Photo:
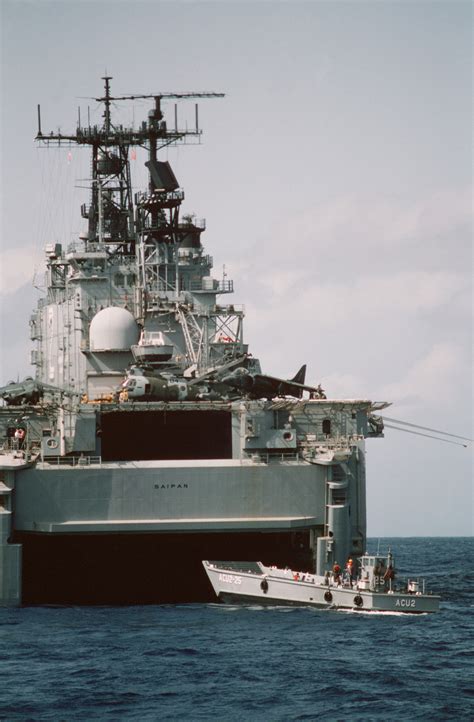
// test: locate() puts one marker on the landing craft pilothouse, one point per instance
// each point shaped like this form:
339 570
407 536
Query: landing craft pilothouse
151 437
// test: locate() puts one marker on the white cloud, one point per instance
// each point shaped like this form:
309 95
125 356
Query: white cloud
393 325
356 234
345 386
402 339
17 267
432 379
402 296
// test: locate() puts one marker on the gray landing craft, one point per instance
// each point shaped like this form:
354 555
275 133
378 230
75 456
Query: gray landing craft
150 439
373 589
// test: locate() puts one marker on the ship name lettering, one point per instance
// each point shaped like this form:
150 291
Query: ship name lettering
171 486
405 603
231 578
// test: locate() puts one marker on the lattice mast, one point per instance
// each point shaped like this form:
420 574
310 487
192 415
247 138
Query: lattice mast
110 213
168 252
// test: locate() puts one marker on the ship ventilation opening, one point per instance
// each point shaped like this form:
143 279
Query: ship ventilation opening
166 435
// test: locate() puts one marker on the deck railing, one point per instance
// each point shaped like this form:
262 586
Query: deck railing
76 461
267 457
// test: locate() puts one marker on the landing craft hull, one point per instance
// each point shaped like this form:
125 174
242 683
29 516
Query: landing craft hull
233 585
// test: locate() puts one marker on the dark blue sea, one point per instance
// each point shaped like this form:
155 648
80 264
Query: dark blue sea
212 662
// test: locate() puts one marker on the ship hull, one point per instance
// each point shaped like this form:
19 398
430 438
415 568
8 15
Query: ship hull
121 533
103 531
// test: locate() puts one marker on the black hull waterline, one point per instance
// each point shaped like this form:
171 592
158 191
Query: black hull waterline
121 569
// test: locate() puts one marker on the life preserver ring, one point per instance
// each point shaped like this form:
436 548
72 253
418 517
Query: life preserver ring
358 601
327 596
264 586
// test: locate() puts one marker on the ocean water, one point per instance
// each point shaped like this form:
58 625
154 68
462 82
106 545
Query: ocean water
216 662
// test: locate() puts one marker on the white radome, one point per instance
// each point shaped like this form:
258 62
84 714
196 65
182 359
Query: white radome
113 328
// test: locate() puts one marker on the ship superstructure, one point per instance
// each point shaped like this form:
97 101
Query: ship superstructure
149 432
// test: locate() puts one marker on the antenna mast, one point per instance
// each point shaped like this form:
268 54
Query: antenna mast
106 116
110 214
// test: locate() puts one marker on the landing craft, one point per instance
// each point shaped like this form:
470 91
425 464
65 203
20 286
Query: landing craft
373 589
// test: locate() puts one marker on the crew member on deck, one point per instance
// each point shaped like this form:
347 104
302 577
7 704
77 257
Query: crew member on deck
350 571
20 434
389 574
336 570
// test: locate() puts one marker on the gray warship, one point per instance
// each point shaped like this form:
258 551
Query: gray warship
148 438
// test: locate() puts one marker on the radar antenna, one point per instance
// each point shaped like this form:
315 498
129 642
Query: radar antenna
110 214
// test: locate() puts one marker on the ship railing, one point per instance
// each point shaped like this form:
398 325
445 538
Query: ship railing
82 247
27 452
190 257
142 198
335 443
200 286
229 309
75 461
193 223
11 444
269 457
215 286
225 286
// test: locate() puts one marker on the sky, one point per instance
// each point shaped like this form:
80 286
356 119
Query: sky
336 181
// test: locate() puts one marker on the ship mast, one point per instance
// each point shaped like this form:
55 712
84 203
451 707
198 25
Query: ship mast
110 213
146 229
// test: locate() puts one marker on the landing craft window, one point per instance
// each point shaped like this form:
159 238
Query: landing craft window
327 426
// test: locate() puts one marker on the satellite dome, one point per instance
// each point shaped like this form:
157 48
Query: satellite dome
113 329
